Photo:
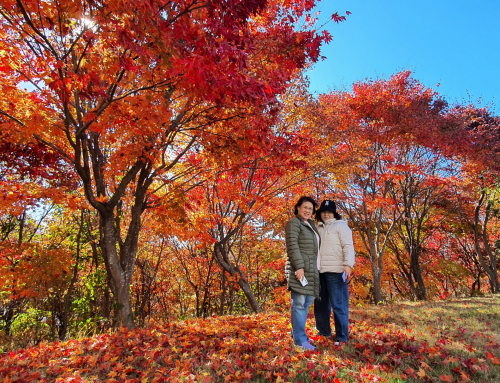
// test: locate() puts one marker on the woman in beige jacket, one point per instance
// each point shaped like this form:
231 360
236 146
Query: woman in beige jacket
336 263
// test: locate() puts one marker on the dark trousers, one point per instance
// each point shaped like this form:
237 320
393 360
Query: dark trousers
334 295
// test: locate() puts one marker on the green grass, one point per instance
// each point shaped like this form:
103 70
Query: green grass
458 338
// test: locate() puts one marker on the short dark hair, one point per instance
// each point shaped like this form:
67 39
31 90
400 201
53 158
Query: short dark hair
303 199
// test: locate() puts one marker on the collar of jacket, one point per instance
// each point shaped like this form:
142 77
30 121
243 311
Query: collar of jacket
328 222
312 224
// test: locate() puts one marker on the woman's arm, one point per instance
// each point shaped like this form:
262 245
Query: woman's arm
292 231
345 235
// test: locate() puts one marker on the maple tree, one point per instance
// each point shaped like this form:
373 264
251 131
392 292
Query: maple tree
473 213
478 222
485 129
125 91
419 192
191 282
232 201
463 245
371 127
447 273
172 139
243 188
36 270
16 248
186 284
386 151
203 275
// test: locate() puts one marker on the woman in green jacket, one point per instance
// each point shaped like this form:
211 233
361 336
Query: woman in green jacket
301 269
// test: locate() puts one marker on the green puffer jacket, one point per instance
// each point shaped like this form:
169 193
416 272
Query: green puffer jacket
302 253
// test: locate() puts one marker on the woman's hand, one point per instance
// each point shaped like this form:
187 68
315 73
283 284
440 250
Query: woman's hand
347 271
299 274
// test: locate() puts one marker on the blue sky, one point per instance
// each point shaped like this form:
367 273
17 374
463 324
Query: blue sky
455 43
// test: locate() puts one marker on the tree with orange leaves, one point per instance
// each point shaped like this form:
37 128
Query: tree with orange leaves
234 199
424 181
478 199
125 91
369 128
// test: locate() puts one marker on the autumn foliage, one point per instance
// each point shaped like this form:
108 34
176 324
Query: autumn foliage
137 99
151 154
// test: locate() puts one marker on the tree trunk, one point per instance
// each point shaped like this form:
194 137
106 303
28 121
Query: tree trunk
8 317
377 291
206 290
495 285
222 258
230 302
245 286
417 275
376 260
121 270
490 269
477 282
222 299
405 270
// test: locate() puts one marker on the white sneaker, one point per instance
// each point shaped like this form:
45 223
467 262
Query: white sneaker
308 346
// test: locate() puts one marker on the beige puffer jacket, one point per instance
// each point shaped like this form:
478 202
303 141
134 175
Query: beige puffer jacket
337 248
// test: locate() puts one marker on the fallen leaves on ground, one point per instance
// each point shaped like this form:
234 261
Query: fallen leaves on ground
384 347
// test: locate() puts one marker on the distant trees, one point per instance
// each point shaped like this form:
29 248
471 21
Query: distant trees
392 161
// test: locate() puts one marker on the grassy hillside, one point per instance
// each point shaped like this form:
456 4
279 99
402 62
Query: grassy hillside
451 341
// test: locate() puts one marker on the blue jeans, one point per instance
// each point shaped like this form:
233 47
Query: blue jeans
334 294
300 308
